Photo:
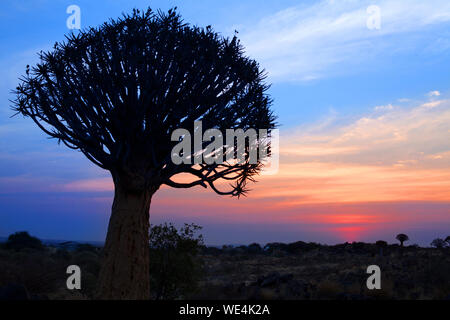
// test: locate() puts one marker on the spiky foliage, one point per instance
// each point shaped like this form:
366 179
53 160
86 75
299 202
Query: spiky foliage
117 92
447 240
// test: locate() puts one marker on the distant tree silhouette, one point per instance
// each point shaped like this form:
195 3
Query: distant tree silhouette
438 243
402 238
21 240
117 92
381 244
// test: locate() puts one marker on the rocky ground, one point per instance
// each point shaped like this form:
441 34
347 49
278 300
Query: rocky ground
338 272
277 271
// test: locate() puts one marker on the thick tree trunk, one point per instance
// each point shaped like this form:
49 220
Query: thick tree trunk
124 272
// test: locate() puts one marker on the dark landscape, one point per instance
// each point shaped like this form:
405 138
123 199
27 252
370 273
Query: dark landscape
182 267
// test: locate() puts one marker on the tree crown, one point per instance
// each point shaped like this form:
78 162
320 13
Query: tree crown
402 237
117 92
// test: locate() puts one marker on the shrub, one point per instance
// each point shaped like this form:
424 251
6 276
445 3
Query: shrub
22 240
381 244
271 247
87 247
174 263
438 243
254 248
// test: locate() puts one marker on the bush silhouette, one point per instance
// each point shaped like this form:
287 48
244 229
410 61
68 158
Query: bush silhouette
174 264
254 248
438 243
381 244
21 240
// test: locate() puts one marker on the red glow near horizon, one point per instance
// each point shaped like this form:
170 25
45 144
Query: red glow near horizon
350 233
353 180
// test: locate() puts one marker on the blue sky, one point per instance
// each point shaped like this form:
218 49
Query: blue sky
327 69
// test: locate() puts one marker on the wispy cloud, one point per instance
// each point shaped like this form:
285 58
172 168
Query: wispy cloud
89 185
394 154
389 135
305 42
434 93
383 108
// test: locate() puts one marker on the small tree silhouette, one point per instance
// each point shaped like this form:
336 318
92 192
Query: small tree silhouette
118 92
402 238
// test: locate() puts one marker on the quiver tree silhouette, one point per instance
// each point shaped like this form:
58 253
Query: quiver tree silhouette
118 91
402 238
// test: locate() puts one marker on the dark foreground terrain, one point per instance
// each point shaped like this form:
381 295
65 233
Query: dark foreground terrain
189 270
328 272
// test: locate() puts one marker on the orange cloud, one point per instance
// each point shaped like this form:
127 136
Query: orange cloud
350 179
398 155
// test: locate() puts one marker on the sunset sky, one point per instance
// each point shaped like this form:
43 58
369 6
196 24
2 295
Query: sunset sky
364 120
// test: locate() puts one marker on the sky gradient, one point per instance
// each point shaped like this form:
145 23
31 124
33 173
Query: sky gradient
364 115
